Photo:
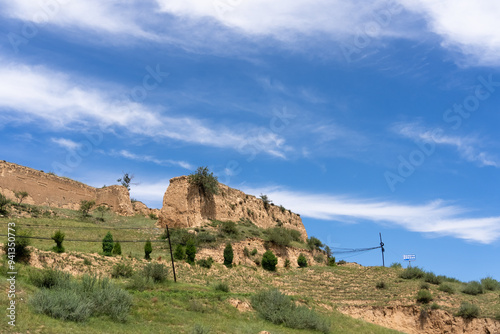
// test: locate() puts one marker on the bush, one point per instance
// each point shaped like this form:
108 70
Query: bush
117 249
58 237
157 272
314 243
424 296
138 282
433 279
179 236
77 301
279 236
269 261
85 207
221 286
107 244
425 286
331 261
18 250
152 216
341 262
49 278
229 228
412 273
381 285
205 263
279 309
179 253
148 249
287 263
246 252
228 255
266 201
490 283
4 202
435 306
122 270
473 288
206 182
253 252
200 329
190 252
205 237
468 311
396 265
302 261
446 288
319 258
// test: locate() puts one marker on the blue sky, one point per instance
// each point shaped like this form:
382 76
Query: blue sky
362 116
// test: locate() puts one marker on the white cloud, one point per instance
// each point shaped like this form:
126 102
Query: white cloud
467 147
150 193
66 143
435 217
64 101
148 158
471 26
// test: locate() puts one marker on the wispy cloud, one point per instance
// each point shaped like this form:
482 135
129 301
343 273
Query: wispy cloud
68 102
148 158
468 147
68 144
436 217
151 192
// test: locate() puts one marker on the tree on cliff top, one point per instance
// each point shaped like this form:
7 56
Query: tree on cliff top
126 180
205 181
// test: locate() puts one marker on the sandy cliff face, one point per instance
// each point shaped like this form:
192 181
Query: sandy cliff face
185 206
55 191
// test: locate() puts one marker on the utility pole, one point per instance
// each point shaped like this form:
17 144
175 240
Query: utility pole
171 256
382 248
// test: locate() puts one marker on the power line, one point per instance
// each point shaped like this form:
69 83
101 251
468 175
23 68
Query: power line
77 240
89 227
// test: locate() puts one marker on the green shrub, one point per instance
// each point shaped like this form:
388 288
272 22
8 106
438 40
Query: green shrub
319 258
490 283
269 261
221 286
295 235
229 228
205 180
107 244
49 278
302 261
396 265
432 278
253 252
148 249
341 262
473 288
200 329
412 273
18 250
331 261
435 306
424 296
381 285
152 216
157 272
279 236
4 202
58 237
205 263
62 304
179 253
206 237
87 262
446 288
246 252
179 236
196 306
190 252
138 282
425 286
117 249
228 255
287 263
122 270
279 309
468 311
85 207
314 243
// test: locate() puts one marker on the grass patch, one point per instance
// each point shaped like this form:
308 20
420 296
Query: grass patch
412 273
473 288
468 311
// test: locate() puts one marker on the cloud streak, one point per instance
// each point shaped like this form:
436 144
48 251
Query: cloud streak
436 217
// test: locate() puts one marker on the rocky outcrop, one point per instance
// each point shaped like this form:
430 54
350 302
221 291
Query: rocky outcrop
414 320
47 189
142 209
185 206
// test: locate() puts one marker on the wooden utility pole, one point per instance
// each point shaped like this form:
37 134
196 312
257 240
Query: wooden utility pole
382 248
171 256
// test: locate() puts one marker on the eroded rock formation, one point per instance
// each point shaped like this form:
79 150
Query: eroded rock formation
185 206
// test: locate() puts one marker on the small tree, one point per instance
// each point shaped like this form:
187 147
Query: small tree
107 244
314 243
58 237
85 207
190 251
180 253
331 261
117 248
20 195
102 209
205 181
228 255
126 180
3 204
269 261
302 261
266 201
147 250
328 252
